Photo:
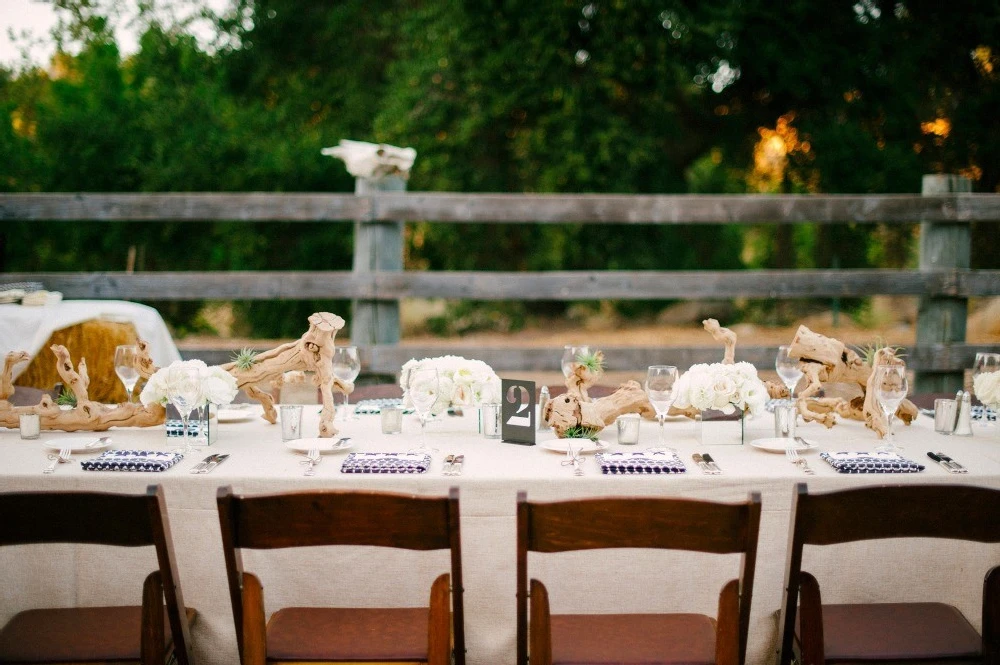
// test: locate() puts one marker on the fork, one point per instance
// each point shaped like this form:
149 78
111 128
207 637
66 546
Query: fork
63 456
793 457
312 459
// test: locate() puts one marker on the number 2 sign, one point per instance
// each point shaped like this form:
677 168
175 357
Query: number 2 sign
517 412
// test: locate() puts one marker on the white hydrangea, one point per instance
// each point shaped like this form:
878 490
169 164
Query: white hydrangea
216 386
726 388
987 388
462 382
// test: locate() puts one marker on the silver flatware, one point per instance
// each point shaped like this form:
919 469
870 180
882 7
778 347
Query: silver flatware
793 457
312 459
449 460
456 466
200 466
702 464
949 463
341 443
63 457
711 464
804 443
216 461
98 442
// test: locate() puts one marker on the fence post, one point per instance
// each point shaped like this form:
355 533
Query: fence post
942 319
378 246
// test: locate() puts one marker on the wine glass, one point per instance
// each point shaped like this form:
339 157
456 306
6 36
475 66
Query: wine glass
788 369
184 392
569 357
125 367
986 363
346 367
422 389
890 388
660 382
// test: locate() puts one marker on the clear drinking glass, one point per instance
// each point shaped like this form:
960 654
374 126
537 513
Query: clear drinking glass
126 366
890 389
660 382
346 367
422 388
184 392
788 369
570 354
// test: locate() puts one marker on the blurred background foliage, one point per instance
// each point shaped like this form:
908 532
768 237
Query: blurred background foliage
619 96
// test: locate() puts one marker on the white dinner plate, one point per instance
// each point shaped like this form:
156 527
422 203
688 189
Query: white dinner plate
235 415
78 444
780 445
579 445
324 445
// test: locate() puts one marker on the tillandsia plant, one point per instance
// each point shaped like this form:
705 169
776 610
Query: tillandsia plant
594 362
868 351
245 358
581 432
66 398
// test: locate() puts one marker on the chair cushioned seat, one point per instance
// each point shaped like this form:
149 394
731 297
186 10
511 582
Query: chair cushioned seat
354 634
894 632
75 634
636 639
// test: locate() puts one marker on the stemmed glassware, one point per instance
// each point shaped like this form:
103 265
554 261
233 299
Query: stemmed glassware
788 369
890 388
126 356
660 382
570 354
184 392
422 389
346 367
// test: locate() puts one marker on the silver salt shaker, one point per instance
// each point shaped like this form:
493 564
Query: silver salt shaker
963 423
543 399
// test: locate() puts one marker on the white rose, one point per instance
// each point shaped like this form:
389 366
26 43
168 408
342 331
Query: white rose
218 386
701 392
987 388
155 390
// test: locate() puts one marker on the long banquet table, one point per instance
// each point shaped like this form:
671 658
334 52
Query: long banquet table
606 581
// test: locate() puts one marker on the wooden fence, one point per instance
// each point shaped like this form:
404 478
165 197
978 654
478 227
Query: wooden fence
944 281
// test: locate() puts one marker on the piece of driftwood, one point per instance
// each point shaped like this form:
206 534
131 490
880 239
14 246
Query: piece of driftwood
312 352
583 377
87 415
567 411
724 335
825 360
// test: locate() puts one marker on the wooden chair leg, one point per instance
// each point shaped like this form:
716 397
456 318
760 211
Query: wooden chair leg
254 626
439 637
727 632
152 644
539 626
991 617
811 621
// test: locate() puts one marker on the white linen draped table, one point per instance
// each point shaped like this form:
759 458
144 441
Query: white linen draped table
27 328
601 581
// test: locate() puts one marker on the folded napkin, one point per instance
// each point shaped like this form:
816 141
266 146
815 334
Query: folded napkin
132 460
848 462
649 461
984 413
366 406
386 463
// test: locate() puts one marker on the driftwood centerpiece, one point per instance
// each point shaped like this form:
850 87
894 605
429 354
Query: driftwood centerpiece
312 352
567 411
825 360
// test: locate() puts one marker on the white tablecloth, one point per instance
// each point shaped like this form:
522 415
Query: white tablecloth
605 581
28 328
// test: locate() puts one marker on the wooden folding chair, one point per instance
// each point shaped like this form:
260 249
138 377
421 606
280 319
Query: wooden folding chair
889 633
344 635
676 524
147 634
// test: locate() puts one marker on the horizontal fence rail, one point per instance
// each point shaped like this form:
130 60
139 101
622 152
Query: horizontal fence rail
555 285
512 208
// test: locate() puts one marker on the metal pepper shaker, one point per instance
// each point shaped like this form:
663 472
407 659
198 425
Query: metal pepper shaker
963 423
543 399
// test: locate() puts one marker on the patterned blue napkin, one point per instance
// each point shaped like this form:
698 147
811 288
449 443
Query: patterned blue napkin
132 460
367 406
847 462
646 462
386 463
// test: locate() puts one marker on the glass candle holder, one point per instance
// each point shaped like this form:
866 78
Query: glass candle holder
30 425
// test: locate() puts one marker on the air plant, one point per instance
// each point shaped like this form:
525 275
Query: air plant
245 358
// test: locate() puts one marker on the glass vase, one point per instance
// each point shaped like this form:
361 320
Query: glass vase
717 428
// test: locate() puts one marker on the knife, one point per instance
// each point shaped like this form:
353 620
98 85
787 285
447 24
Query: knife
219 459
711 463
952 463
202 465
944 462
702 464
456 466
449 463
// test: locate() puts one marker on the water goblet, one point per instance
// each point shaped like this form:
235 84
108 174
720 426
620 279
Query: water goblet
890 386
346 367
184 392
660 382
570 356
788 369
422 388
126 358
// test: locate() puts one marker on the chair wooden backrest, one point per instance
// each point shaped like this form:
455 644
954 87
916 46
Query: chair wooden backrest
658 523
957 512
321 518
100 518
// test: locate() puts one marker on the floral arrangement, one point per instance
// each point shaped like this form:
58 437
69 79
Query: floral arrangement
217 385
461 382
723 387
987 388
